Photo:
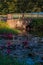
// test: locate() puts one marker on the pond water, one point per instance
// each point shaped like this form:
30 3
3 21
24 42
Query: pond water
28 48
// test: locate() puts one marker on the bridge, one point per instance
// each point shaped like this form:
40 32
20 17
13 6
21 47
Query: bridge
40 14
29 15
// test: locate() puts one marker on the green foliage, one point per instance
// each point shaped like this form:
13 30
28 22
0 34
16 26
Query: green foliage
37 25
20 6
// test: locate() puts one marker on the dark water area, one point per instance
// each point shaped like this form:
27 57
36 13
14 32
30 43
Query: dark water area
28 48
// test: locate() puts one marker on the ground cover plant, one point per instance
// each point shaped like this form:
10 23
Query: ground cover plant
4 28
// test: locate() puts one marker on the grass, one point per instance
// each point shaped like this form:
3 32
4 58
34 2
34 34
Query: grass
8 30
5 29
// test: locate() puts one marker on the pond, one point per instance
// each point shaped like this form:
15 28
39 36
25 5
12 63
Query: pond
28 48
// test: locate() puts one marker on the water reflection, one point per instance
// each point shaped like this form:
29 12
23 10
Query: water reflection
23 47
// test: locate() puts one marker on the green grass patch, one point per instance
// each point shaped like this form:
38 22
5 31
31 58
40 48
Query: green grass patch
5 29
8 30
